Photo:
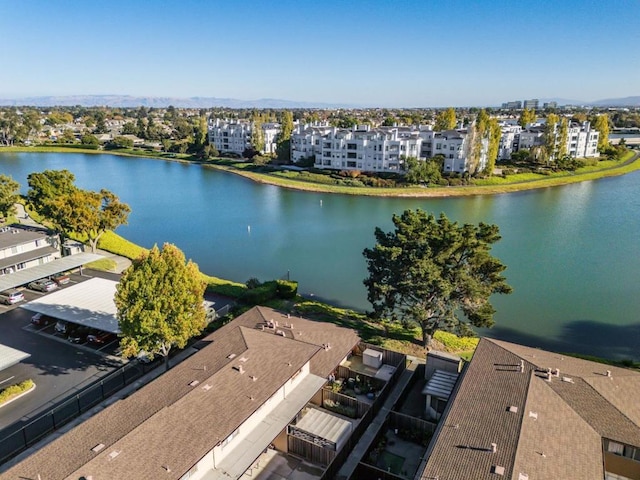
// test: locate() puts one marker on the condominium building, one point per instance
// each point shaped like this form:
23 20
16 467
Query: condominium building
382 149
531 104
234 136
582 140
23 247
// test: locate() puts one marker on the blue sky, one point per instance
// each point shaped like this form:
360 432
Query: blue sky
405 53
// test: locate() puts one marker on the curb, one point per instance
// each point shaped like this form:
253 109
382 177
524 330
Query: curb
18 396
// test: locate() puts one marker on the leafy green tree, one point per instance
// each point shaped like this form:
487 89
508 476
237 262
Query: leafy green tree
526 117
159 303
90 214
434 273
129 128
120 142
563 137
46 187
67 137
9 195
550 150
257 135
89 139
445 120
495 132
422 171
601 124
283 145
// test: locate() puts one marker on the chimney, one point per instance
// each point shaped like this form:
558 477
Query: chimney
494 447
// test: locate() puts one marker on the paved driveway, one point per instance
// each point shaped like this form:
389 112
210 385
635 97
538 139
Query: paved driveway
57 367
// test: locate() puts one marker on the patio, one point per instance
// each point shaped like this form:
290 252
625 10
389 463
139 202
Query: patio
275 465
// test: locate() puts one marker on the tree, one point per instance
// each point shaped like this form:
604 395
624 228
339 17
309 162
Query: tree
46 187
422 171
90 214
159 303
434 273
89 139
495 133
120 142
283 145
445 120
526 117
601 124
257 135
9 195
563 137
551 137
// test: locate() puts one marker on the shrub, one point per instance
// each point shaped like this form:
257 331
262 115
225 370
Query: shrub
259 295
286 289
15 390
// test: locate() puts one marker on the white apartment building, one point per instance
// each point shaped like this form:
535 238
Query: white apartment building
366 149
25 247
509 140
454 146
234 136
582 140
306 141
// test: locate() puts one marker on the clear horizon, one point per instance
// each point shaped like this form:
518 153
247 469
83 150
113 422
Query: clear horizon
407 53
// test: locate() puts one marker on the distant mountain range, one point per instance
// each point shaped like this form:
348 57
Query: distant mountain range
128 101
125 101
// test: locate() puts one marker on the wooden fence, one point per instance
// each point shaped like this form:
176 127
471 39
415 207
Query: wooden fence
411 428
310 451
352 407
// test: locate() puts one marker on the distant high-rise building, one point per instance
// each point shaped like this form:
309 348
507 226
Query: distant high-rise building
517 105
531 104
550 105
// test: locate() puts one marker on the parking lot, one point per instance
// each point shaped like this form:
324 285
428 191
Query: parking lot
58 367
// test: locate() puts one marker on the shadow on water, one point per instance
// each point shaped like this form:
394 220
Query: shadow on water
588 337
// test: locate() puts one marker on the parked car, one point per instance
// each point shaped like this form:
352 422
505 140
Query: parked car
61 326
9 297
41 319
61 279
79 333
100 337
43 285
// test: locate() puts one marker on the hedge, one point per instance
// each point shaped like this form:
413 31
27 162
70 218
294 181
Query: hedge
15 390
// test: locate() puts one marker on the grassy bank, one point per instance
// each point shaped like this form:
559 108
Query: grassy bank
307 181
491 186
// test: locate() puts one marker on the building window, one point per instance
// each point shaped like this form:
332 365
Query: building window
228 440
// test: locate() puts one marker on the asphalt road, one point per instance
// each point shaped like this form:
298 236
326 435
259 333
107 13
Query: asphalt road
57 367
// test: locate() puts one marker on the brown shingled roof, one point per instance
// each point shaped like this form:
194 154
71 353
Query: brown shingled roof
558 428
173 422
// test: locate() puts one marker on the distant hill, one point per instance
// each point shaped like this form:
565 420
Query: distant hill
618 102
129 101
161 102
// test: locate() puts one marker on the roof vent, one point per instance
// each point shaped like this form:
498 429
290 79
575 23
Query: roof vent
533 415
193 383
166 467
326 346
608 373
231 356
114 454
567 379
253 377
512 409
98 447
497 469
243 359
523 476
494 447
239 368
206 387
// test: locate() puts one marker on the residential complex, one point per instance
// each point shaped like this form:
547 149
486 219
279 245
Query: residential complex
382 149
234 136
523 413
582 140
24 247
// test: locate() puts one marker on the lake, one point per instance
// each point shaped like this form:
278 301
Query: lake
571 251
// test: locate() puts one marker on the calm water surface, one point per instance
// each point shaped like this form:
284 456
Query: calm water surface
571 251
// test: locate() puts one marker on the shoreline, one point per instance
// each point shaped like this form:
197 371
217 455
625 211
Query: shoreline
622 168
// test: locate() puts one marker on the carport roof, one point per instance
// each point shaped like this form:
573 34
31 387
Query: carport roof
22 277
10 356
88 303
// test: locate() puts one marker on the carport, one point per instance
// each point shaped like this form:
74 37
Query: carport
10 356
22 277
89 303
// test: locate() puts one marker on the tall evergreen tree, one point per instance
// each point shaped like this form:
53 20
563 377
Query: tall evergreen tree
601 124
283 146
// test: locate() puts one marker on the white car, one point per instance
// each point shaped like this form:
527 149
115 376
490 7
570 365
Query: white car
43 285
